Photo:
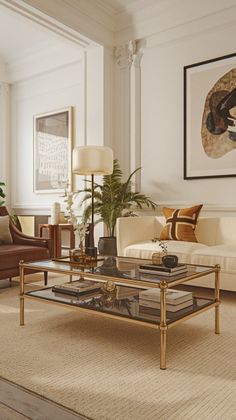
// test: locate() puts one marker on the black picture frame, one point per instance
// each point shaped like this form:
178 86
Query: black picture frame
203 83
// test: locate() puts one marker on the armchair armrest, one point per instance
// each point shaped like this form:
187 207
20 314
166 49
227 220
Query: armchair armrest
22 239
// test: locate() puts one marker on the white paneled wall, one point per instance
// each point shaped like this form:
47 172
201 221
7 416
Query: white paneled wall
162 120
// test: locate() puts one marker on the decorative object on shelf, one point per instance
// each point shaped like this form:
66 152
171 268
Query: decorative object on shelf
92 160
209 118
84 261
112 199
52 151
157 256
2 194
55 213
170 261
108 293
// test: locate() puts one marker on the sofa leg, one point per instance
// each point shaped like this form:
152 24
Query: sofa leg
10 281
45 278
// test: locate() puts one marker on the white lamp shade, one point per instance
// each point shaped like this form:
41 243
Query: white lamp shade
96 160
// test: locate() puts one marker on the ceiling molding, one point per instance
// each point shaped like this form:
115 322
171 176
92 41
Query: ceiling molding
209 23
110 24
162 16
53 24
83 17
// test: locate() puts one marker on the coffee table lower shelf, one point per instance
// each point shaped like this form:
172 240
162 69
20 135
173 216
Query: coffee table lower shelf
127 309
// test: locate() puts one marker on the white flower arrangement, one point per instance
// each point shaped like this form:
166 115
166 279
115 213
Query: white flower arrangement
79 227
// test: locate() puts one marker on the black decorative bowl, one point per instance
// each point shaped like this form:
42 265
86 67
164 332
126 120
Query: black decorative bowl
170 261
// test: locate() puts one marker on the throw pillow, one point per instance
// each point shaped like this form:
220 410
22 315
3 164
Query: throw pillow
5 234
180 223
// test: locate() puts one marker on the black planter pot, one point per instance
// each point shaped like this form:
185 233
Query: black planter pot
107 245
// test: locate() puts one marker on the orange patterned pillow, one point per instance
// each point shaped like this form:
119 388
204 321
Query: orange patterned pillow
180 223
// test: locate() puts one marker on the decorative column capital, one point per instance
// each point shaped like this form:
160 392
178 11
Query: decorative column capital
124 54
130 53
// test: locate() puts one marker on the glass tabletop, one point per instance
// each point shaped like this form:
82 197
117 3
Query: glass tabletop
120 269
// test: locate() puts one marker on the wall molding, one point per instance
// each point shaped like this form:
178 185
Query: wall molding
207 209
45 20
157 19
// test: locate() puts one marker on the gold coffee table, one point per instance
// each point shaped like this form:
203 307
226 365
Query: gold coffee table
122 305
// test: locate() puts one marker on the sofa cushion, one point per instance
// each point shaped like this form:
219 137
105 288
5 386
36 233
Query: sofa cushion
5 234
10 255
145 249
180 223
224 255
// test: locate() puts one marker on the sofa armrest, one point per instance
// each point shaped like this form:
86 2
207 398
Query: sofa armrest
22 239
130 230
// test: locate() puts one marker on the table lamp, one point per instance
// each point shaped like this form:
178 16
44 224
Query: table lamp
92 160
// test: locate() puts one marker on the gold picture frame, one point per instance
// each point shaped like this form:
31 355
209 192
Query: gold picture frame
53 142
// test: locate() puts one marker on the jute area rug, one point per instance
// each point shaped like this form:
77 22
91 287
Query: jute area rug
109 370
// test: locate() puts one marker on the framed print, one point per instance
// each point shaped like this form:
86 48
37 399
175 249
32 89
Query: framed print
210 118
52 151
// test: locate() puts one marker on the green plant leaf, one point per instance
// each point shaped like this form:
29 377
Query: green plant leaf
112 197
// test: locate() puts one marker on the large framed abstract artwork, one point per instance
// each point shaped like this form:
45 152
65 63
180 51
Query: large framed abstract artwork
210 118
52 151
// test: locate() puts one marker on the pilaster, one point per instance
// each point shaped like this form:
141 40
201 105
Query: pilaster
128 106
5 137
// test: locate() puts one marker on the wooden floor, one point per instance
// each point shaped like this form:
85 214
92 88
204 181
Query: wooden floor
16 403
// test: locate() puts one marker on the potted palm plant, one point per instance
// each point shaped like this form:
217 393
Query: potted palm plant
113 198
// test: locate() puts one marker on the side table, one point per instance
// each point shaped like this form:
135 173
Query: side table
54 232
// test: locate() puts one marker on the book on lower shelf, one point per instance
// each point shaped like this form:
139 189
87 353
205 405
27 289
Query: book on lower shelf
173 296
170 308
162 270
154 314
77 287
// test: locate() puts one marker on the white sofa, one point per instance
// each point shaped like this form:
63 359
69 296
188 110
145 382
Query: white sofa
216 244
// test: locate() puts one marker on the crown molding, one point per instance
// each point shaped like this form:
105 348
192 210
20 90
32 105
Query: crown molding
159 19
83 18
221 20
49 22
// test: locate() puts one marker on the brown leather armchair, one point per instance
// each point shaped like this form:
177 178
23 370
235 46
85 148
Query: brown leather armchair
24 248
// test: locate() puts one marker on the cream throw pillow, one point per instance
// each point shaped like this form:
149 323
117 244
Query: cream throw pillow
5 234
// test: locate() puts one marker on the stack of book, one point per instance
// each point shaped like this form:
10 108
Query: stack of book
77 287
162 270
175 299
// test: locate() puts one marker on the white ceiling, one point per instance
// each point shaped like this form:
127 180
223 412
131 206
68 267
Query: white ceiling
22 41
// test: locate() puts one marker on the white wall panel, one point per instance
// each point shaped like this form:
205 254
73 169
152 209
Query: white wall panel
55 90
162 120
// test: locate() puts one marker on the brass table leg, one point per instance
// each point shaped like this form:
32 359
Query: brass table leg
217 298
163 326
22 317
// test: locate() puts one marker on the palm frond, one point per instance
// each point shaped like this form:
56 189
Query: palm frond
112 197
